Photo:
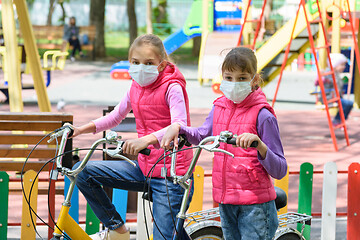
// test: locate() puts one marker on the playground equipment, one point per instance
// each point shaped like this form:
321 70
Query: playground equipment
292 39
57 62
223 21
13 71
270 54
322 52
192 28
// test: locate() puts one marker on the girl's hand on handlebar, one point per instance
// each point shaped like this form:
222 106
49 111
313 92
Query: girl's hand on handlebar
171 135
87 128
244 140
76 133
134 146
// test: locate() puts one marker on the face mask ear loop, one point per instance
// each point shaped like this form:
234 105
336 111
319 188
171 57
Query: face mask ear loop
159 66
252 89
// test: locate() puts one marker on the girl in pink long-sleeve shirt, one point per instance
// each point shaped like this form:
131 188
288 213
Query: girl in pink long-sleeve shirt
158 98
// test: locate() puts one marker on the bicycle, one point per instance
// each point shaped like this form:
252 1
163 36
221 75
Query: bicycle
66 226
199 225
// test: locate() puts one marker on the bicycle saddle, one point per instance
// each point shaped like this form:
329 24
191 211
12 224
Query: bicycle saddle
281 198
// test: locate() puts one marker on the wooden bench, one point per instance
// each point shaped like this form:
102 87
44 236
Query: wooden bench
20 132
51 37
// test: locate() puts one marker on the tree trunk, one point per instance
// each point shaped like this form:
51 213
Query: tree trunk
196 46
52 4
132 20
97 18
63 12
149 28
162 17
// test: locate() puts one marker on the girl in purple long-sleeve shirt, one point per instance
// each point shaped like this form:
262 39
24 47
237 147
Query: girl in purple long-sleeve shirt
241 185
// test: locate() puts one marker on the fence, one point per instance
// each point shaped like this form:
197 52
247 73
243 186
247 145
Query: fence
306 173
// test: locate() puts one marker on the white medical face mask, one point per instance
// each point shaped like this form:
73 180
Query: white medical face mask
236 91
144 75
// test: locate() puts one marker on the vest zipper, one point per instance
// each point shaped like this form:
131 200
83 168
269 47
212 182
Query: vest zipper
142 120
225 159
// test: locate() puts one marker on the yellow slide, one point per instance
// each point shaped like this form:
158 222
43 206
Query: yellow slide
270 55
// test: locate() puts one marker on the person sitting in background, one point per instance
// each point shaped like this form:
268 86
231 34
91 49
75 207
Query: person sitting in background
338 62
71 34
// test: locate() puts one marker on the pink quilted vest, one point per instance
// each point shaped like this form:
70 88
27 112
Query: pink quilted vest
241 180
152 114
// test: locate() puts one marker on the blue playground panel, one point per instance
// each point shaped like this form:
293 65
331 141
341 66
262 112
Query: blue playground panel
120 65
226 13
177 39
74 209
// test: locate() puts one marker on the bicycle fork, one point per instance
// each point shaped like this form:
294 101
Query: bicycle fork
66 223
180 232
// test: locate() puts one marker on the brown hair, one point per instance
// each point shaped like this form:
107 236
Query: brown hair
241 59
151 40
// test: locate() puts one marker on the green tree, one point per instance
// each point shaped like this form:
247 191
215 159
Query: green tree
97 18
160 17
132 20
52 5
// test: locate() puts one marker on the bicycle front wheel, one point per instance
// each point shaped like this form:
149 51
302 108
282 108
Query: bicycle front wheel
288 234
205 233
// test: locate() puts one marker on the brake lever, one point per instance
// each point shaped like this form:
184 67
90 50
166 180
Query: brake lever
223 151
214 146
115 154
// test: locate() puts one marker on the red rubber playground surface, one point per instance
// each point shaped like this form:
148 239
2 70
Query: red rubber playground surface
305 137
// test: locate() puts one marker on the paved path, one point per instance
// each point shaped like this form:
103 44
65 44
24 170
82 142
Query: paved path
87 89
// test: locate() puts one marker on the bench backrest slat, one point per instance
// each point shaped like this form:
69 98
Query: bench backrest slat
19 132
29 126
24 152
32 139
41 116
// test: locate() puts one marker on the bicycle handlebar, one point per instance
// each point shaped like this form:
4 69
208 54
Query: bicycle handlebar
232 141
111 138
224 136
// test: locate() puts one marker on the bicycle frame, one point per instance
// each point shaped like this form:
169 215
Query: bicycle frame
65 222
185 181
204 218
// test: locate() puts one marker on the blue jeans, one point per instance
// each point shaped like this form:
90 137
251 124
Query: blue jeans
347 106
122 175
249 222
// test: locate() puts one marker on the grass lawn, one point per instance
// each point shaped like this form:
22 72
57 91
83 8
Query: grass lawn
117 44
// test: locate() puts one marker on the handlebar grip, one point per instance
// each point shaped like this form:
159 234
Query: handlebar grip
183 141
71 132
145 151
232 141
